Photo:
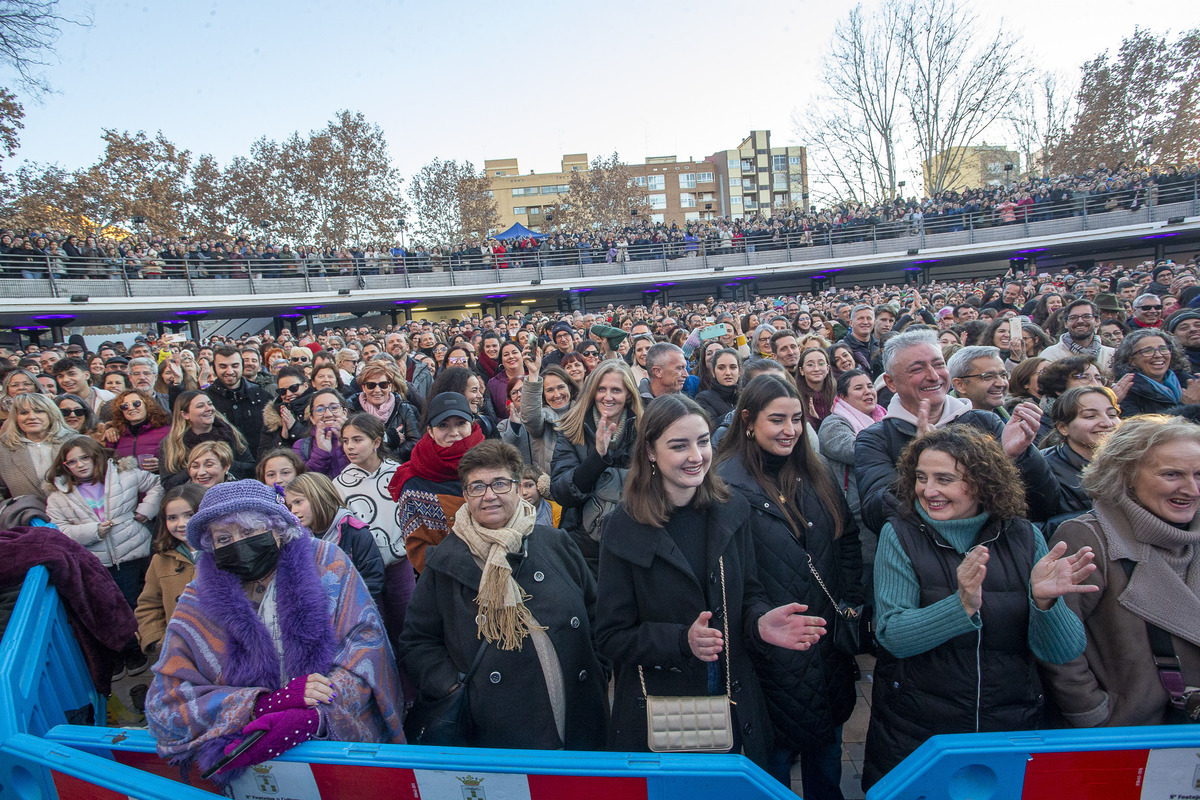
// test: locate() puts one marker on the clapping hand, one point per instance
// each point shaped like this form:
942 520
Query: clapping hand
1055 575
706 643
971 573
606 429
1021 429
788 627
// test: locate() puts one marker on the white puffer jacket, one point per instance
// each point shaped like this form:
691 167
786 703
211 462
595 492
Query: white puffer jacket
127 491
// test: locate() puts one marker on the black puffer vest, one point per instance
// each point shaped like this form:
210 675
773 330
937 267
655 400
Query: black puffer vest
984 681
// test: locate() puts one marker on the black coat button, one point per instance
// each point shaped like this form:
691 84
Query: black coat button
494 677
582 675
574 622
539 576
641 702
736 686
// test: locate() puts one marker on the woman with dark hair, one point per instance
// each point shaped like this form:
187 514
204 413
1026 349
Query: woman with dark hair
546 396
1023 386
1047 305
1161 373
426 490
139 425
855 409
575 366
719 385
939 669
78 415
518 596
679 587
458 355
802 528
1082 418
116 382
511 366
998 333
841 359
321 449
815 382
1034 339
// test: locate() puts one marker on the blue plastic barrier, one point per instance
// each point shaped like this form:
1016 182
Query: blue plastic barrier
43 676
1155 763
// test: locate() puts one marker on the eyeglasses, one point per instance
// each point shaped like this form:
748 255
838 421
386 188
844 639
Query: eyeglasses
1150 308
370 385
1146 352
499 486
75 462
73 412
295 387
329 409
457 360
1088 377
1083 317
133 404
300 359
988 376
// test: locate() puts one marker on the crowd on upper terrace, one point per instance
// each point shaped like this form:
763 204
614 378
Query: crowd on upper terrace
31 254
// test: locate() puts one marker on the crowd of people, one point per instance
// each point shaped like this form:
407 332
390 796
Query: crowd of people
990 485
33 254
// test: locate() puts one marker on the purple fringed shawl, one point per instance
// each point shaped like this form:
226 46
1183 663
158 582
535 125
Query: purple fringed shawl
217 655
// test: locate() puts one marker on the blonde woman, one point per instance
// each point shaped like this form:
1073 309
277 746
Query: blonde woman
29 443
591 457
383 396
193 421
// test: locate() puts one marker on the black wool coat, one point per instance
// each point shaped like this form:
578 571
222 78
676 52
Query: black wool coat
508 700
648 598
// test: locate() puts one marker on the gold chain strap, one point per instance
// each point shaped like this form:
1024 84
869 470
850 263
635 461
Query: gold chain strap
850 612
725 619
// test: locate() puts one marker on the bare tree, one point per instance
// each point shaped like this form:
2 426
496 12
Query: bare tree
852 131
603 194
29 30
1039 120
958 84
477 207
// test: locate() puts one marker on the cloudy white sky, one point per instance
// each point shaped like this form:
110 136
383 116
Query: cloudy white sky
477 80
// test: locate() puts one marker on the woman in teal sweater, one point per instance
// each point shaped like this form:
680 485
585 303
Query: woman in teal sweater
966 600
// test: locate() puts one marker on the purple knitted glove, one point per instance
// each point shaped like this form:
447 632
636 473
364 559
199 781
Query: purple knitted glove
290 696
285 730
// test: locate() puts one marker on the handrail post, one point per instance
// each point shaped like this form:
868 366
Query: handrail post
125 279
50 275
250 276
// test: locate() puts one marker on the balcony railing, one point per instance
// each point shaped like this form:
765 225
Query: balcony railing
56 276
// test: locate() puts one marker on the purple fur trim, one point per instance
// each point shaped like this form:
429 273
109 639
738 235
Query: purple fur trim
252 659
304 621
205 756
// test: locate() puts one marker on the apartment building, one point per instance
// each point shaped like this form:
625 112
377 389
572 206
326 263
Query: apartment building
757 178
973 166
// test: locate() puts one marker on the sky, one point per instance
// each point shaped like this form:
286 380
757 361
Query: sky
471 80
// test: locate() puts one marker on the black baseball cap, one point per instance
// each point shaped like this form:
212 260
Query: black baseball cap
446 405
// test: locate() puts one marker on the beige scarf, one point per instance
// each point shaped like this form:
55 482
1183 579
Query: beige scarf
503 618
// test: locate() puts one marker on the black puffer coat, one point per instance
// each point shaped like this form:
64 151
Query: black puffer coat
403 419
808 693
588 485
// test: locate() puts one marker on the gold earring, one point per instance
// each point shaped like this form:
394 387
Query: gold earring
749 434
653 468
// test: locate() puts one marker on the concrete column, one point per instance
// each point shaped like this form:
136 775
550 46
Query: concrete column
308 318
194 329
56 333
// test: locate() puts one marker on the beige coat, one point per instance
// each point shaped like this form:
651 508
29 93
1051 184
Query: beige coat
127 491
168 576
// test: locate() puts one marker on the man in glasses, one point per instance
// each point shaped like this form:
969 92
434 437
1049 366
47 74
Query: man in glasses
1082 338
240 400
416 374
142 373
978 375
1147 311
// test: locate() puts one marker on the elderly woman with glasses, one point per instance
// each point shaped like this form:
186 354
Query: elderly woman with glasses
518 598
276 633
1160 373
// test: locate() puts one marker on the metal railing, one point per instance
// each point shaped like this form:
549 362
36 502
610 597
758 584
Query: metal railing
40 274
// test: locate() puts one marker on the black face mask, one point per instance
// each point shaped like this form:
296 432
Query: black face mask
250 558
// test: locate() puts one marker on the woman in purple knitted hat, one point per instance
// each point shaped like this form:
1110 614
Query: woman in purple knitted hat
276 633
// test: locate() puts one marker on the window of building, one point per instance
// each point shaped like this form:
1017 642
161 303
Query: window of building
751 203
706 196
762 169
691 215
524 191
639 180
797 198
794 160
779 180
748 185
778 163
687 180
657 183
658 201
747 166
733 163
535 209
761 152
735 182
555 189
657 219
687 200
736 200
520 210
704 177
500 173
490 194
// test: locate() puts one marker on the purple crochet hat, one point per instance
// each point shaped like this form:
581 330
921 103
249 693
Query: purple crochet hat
231 497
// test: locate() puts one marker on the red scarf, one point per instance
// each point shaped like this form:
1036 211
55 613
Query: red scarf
432 462
489 366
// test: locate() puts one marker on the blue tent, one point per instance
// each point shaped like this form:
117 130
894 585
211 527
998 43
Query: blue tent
518 231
